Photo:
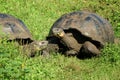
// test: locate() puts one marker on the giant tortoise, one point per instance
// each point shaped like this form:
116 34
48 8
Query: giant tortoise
14 29
81 32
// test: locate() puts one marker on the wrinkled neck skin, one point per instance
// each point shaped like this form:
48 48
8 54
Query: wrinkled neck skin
71 42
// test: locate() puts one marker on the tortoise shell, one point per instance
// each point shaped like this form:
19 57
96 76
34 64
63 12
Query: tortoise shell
85 26
13 28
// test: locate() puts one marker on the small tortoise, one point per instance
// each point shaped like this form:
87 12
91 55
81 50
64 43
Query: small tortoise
14 29
81 33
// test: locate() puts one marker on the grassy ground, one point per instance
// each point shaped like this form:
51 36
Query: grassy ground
39 15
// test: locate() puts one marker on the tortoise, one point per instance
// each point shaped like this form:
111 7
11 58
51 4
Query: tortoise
14 29
81 33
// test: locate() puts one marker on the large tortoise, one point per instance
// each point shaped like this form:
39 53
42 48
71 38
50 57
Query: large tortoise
14 29
81 33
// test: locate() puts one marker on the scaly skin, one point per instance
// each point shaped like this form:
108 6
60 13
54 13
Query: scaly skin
90 49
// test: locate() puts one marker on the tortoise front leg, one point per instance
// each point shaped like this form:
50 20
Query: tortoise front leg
90 49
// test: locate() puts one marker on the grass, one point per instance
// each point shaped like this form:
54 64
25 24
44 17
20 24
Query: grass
39 15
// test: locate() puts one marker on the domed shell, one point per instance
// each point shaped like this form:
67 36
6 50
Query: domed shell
13 28
89 25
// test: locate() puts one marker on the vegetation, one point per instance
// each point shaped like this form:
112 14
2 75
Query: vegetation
39 15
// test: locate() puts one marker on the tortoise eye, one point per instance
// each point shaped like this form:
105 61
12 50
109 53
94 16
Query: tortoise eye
43 43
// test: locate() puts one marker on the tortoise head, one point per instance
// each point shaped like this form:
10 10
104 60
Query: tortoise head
35 47
39 45
58 32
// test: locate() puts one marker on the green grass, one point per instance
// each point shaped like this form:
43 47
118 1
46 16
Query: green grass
39 15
